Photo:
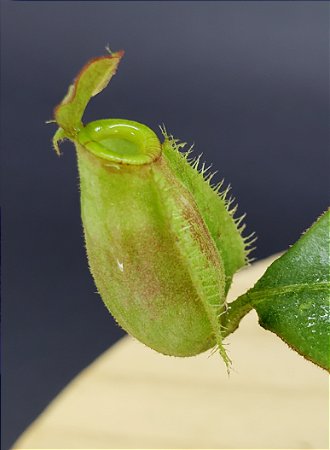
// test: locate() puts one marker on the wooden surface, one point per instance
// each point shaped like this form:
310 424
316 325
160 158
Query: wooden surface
132 397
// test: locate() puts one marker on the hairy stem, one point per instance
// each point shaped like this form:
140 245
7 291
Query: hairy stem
234 314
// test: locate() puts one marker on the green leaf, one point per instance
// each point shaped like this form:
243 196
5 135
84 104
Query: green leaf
292 297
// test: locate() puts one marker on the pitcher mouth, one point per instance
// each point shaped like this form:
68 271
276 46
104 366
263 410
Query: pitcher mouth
121 141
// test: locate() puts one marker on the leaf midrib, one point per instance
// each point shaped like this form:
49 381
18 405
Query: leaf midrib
261 296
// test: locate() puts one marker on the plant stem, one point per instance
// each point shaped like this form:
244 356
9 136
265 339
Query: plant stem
235 312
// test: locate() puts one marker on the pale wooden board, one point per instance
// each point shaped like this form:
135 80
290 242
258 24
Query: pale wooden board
132 397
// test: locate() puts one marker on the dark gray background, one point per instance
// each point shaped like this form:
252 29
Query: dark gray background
247 82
